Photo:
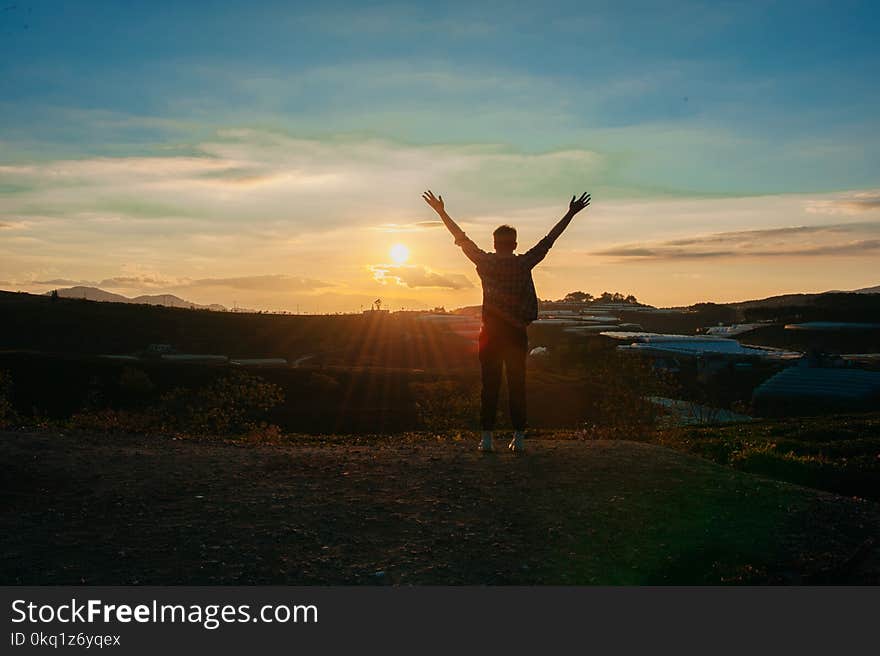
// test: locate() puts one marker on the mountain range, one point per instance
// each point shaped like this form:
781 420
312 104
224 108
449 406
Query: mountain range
167 300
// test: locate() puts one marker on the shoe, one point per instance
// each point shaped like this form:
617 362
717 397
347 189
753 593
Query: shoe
486 444
517 444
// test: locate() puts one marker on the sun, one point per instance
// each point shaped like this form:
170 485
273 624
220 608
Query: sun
399 253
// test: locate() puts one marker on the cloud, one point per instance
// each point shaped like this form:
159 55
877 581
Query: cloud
259 177
411 275
857 203
274 282
415 226
796 241
740 236
88 170
138 281
65 282
859 247
661 252
263 283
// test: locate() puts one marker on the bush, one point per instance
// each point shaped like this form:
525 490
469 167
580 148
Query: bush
791 450
766 460
622 385
135 384
446 404
233 404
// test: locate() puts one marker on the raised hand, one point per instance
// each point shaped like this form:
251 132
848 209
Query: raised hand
434 201
576 206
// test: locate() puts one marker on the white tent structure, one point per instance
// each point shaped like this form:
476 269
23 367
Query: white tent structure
696 346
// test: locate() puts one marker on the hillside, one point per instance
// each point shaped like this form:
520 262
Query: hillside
167 300
863 298
83 327
410 509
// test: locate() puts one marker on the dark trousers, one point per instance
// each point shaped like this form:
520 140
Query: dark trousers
504 345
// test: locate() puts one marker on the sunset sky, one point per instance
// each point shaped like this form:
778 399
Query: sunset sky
273 154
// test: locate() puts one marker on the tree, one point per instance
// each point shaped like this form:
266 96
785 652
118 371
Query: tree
578 297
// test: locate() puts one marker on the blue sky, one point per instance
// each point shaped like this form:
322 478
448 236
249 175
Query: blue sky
313 120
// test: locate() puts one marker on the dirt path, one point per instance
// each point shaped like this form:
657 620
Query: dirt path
409 510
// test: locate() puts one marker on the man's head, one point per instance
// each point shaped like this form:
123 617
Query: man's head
505 239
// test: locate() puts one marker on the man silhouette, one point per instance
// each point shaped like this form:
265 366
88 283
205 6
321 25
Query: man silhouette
510 304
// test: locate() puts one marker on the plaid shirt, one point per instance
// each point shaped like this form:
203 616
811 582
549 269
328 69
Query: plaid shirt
508 288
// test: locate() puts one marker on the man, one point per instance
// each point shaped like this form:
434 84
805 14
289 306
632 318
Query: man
509 306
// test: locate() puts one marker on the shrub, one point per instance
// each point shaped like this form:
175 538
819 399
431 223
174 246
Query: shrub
766 460
135 383
445 404
789 450
232 404
622 385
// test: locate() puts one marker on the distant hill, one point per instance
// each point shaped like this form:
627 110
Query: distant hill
797 308
781 301
166 300
801 299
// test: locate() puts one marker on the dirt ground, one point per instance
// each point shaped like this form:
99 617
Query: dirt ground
410 509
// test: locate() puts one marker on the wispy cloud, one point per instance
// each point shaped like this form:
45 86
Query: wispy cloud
137 282
411 275
258 176
273 282
65 282
269 283
795 241
415 226
856 203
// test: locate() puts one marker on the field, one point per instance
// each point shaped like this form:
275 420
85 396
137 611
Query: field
358 466
838 453
411 509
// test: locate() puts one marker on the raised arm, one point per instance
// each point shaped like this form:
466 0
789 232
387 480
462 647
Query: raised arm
539 250
436 203
471 250
574 207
